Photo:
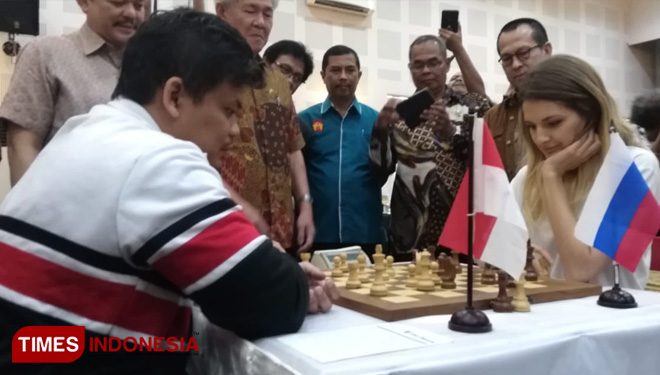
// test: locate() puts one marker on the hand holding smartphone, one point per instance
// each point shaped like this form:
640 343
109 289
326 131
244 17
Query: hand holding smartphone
411 109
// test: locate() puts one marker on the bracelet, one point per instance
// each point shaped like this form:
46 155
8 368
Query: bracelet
306 198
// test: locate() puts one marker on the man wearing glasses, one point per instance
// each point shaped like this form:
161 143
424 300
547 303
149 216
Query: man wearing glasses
292 59
522 44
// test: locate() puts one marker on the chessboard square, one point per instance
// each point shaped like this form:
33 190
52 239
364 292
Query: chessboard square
366 285
407 292
339 284
534 286
399 299
487 289
447 294
362 290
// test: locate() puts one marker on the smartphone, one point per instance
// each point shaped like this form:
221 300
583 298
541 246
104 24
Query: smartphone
411 108
449 20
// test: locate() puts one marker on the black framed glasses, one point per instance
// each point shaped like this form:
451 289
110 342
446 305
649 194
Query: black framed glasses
522 55
287 70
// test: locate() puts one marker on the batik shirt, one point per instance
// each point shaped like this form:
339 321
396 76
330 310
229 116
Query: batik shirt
257 165
429 172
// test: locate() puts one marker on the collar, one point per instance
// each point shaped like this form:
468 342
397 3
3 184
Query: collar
327 104
91 41
511 97
133 109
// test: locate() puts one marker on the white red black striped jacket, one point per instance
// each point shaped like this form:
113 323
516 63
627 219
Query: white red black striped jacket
116 226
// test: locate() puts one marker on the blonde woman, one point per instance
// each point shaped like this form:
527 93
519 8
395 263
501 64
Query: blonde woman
567 117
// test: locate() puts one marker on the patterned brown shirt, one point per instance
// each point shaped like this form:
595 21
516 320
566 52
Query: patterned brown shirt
257 166
57 78
504 123
429 172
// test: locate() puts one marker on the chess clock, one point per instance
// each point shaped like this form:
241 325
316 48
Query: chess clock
323 258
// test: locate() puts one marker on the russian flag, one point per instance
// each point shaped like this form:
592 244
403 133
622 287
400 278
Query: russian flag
500 233
620 216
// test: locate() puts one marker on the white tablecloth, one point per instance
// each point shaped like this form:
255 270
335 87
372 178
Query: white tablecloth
566 337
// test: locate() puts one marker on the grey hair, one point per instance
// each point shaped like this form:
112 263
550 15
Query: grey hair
427 38
275 2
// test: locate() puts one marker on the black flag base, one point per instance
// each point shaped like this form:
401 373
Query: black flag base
470 320
617 298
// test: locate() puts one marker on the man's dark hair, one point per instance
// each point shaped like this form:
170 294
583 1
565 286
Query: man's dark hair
200 48
294 49
646 111
539 34
428 38
339 50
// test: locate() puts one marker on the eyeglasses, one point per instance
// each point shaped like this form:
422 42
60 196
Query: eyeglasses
287 70
418 66
522 55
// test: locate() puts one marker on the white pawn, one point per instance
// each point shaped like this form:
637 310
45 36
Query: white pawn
434 273
362 273
424 282
344 265
520 302
390 265
336 271
353 281
411 282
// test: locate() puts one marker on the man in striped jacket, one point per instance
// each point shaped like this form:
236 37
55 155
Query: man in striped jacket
121 222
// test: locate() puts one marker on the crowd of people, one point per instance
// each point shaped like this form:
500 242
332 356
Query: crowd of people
159 162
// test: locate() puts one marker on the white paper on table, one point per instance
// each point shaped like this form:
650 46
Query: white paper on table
337 345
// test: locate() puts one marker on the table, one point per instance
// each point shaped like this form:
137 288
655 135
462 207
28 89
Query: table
565 337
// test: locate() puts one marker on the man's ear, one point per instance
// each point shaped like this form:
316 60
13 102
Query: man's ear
83 4
221 10
547 48
172 95
359 75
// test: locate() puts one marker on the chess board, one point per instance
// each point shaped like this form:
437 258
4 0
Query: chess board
405 303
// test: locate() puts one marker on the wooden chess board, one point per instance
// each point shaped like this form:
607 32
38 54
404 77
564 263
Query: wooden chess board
405 303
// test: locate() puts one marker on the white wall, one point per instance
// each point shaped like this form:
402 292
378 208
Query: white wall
643 23
592 29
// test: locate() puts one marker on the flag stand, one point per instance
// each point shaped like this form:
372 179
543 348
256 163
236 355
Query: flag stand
616 297
469 319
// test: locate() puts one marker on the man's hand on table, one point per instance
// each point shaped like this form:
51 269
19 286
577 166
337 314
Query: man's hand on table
322 290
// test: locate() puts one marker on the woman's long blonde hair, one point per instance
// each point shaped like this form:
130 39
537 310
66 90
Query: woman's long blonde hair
574 84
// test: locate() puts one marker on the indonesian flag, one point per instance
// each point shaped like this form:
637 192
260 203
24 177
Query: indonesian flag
500 233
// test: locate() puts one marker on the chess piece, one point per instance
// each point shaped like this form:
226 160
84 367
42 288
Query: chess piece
449 274
411 282
305 257
441 257
424 281
336 271
457 263
432 251
434 273
415 257
378 288
520 302
511 283
488 275
344 265
353 282
530 271
390 265
362 273
503 302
